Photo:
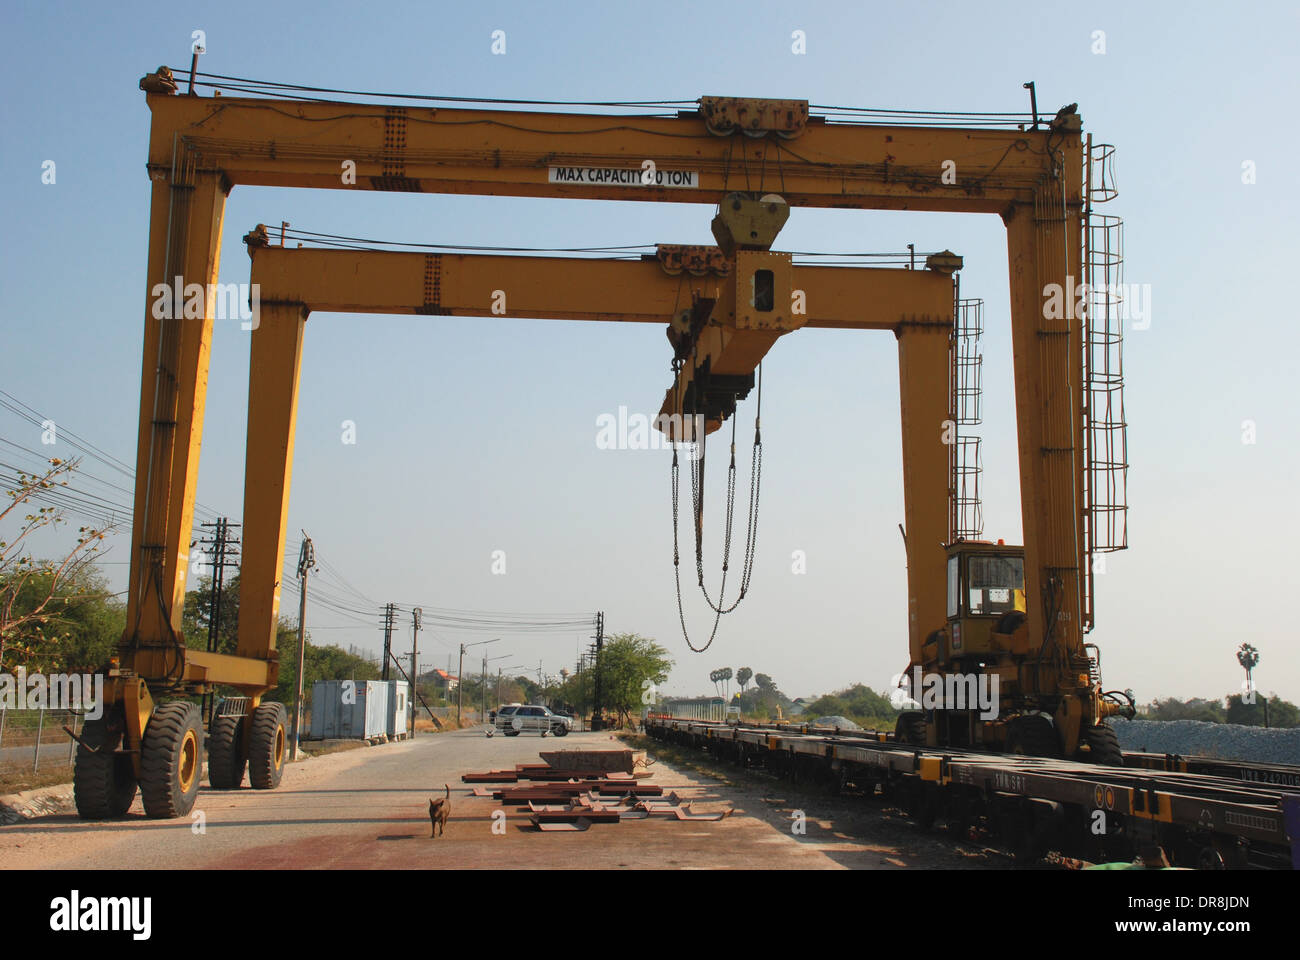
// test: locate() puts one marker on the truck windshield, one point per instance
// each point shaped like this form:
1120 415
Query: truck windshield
996 585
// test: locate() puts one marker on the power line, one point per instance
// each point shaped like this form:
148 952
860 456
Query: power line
665 107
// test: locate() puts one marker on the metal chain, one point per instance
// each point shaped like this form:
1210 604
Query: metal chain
677 570
751 525
697 496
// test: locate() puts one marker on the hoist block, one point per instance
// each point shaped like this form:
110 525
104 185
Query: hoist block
756 306
754 117
746 223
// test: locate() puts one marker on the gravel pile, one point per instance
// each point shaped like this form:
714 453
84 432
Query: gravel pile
843 723
1229 741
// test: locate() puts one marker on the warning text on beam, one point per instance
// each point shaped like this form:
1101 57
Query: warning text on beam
627 177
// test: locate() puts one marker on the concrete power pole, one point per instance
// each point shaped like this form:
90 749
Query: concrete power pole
222 556
460 687
306 560
390 616
416 614
598 708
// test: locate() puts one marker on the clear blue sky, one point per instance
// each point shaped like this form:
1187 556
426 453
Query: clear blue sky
479 435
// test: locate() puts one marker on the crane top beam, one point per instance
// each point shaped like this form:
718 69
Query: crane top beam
574 288
357 146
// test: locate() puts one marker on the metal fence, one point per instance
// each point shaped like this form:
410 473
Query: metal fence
32 738
713 709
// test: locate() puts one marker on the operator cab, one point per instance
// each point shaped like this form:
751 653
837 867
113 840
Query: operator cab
986 584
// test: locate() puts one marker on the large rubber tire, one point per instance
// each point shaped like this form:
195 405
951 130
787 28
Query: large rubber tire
1033 736
171 760
103 782
910 728
267 746
1103 746
226 757
561 730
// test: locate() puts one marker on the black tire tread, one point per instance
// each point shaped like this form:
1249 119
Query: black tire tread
1103 746
103 784
226 760
1036 736
159 759
910 728
262 772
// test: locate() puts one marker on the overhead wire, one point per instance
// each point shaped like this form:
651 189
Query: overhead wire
658 107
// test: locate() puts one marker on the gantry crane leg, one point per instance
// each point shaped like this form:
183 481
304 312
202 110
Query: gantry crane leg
927 422
1044 256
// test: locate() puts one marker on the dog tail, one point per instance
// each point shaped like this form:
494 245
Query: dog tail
447 787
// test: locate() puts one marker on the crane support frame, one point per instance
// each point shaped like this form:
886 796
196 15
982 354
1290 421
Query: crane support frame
200 148
916 304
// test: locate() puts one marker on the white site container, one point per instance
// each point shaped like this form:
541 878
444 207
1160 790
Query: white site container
350 710
399 709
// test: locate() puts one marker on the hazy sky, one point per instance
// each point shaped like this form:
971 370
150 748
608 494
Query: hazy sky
478 435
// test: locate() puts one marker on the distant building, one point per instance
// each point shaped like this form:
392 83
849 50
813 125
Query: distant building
445 681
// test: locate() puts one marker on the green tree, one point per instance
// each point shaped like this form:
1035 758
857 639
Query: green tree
35 594
1171 708
198 613
743 676
1281 713
859 703
79 626
627 662
319 663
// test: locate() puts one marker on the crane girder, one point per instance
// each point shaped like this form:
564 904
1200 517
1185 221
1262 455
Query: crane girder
354 146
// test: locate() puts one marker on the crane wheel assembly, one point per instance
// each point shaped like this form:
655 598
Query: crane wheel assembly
266 746
1033 735
227 755
171 758
910 727
103 781
1103 746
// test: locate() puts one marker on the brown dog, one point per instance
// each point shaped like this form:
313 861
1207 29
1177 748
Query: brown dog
439 811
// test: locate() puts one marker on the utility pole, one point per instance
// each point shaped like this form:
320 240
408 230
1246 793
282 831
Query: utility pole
306 560
460 686
416 614
597 708
390 615
222 555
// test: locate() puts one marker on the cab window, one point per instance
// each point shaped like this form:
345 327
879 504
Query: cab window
954 592
996 585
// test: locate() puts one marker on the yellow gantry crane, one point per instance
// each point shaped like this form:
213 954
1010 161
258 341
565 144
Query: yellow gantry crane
728 151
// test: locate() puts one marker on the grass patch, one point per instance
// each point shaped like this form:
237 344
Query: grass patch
15 778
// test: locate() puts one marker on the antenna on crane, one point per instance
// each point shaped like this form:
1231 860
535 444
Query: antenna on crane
1033 101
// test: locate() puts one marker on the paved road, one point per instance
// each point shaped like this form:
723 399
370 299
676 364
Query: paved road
369 808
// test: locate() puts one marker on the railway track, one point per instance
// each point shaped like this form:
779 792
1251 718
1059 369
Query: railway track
1203 812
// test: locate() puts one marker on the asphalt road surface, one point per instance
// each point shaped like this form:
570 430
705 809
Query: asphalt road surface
368 808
